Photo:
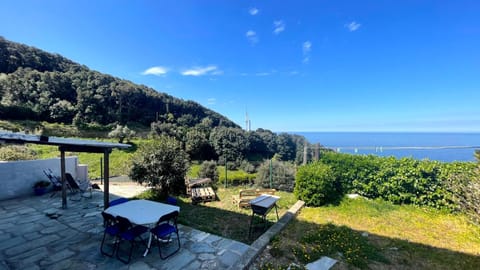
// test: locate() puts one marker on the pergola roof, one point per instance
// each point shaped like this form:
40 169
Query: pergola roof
71 145
68 144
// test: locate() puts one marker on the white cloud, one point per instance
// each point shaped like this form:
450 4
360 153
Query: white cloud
306 48
278 27
252 36
200 71
253 11
211 101
261 74
353 26
157 71
294 72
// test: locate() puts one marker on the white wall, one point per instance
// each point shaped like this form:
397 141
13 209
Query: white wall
17 177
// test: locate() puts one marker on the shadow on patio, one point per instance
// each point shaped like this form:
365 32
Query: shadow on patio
35 233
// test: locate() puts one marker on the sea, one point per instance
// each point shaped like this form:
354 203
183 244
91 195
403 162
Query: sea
446 147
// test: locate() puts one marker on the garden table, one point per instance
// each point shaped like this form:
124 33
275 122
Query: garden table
142 212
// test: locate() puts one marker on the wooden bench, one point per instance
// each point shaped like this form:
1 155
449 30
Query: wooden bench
246 195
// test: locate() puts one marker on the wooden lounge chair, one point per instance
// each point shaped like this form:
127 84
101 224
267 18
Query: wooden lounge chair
78 187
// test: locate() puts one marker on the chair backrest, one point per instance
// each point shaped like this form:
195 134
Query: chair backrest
123 223
118 201
52 178
73 184
248 192
108 219
169 217
172 200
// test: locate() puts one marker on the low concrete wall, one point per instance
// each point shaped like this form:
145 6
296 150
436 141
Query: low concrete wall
17 177
259 245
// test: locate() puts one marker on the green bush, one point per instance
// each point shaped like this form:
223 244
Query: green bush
353 171
16 152
161 164
208 169
316 185
406 180
282 175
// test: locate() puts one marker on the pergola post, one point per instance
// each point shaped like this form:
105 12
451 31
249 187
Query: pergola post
106 178
64 184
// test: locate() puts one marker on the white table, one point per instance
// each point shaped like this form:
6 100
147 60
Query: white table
261 206
142 212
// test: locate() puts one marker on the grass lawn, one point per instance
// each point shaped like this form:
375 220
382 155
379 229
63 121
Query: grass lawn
224 218
394 237
120 159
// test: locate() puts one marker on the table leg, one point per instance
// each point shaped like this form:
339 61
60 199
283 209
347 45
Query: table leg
251 223
149 244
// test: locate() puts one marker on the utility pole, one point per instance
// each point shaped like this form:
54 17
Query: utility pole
305 149
270 173
226 178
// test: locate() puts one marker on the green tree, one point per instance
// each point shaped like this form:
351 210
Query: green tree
198 146
161 164
230 143
121 133
208 169
286 148
269 139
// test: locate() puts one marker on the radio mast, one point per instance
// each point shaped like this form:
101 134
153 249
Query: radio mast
247 121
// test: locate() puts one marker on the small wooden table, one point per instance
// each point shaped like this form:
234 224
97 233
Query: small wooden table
261 206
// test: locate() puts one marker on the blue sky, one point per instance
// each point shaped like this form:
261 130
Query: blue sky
294 65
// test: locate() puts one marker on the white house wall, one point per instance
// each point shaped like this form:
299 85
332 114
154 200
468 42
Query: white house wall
18 177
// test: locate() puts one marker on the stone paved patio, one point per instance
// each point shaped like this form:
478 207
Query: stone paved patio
70 239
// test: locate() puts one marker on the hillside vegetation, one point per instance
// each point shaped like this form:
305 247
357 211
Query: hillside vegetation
41 86
48 94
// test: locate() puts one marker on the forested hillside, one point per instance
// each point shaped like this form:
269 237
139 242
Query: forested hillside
36 85
42 87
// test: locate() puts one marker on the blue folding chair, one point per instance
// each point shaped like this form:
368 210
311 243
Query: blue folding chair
118 201
111 229
172 200
165 227
130 233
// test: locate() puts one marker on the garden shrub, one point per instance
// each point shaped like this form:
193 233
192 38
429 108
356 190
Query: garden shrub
16 152
463 183
316 185
247 166
353 171
162 164
407 181
283 175
208 169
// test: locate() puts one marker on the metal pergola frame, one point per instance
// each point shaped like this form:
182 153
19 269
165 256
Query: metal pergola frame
69 145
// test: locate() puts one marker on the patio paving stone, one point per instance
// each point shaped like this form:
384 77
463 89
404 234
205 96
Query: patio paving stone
35 233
